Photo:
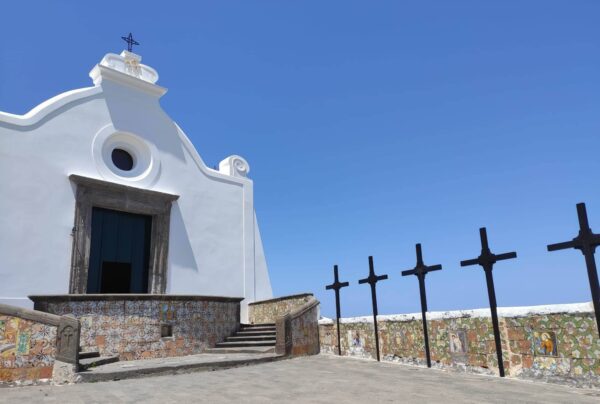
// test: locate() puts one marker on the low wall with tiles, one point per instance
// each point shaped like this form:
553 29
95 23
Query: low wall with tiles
267 311
557 343
134 326
305 329
298 330
30 345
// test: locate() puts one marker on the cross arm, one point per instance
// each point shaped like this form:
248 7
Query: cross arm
434 268
366 280
337 285
562 246
381 277
505 256
466 263
409 272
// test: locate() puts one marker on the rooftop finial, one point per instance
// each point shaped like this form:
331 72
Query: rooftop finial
130 41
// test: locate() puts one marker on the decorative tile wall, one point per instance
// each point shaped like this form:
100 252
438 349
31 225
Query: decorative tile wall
562 347
131 329
267 311
305 333
27 349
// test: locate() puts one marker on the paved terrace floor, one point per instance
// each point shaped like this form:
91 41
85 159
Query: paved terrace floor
317 379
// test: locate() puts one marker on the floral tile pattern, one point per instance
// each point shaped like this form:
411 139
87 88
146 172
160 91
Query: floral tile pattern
131 329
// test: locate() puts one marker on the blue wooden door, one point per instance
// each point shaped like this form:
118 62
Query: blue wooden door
119 252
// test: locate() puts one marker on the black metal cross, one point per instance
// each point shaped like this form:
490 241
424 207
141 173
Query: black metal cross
130 41
487 260
372 279
586 242
336 286
420 270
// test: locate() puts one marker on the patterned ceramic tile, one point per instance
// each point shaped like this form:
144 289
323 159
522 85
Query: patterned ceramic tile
132 328
556 347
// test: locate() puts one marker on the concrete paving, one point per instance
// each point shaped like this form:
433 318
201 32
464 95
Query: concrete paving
316 379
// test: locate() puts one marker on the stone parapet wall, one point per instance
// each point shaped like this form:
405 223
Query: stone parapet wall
267 311
552 343
33 343
130 325
298 330
27 349
305 330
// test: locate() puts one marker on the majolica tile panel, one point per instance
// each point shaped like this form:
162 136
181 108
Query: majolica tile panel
27 349
131 329
562 348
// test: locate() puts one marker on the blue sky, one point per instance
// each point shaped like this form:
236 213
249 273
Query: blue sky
369 127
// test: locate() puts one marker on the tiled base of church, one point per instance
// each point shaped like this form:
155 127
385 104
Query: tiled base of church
27 349
130 326
552 343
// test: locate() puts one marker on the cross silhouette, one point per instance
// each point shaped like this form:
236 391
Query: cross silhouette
130 41
336 286
372 280
487 259
420 270
586 242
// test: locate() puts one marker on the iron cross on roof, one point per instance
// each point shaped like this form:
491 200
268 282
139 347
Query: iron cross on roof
130 41
420 270
586 241
336 286
372 279
487 259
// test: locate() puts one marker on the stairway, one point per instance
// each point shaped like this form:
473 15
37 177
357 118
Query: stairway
90 359
251 338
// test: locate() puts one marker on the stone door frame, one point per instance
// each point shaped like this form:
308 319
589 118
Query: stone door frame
92 193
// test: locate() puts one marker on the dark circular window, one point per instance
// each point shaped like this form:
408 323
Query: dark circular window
122 159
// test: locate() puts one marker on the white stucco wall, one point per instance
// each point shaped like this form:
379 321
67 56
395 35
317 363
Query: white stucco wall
215 246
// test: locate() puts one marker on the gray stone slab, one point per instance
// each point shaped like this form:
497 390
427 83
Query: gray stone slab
256 349
181 364
316 379
96 361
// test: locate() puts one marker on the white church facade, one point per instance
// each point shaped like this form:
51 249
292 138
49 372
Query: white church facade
101 192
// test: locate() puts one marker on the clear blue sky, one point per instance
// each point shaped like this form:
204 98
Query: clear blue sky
369 127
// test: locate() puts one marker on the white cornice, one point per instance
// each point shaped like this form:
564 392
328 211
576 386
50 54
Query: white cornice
45 108
100 73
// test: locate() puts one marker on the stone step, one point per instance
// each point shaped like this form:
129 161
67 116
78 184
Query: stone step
245 344
250 332
261 328
176 365
257 325
89 354
239 338
242 350
95 362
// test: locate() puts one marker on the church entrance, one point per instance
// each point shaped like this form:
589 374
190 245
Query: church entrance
119 252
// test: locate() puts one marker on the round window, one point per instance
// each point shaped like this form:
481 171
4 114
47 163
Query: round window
124 156
122 159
